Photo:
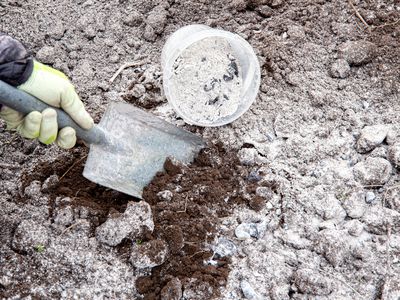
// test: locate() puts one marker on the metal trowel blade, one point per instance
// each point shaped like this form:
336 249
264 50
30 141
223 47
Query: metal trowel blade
137 147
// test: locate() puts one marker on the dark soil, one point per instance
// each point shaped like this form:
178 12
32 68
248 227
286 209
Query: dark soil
202 193
71 183
207 189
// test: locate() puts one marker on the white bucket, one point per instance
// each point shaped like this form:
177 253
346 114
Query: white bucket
251 75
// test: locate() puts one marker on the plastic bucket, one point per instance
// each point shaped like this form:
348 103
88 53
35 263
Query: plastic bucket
244 53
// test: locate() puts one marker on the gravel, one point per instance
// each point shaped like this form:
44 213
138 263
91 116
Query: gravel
246 230
370 197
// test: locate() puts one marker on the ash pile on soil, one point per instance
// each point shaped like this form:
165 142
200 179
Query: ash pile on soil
187 203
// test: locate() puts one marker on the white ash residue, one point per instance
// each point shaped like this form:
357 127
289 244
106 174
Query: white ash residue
207 80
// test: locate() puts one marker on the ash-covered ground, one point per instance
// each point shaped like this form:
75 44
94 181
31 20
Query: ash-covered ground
297 199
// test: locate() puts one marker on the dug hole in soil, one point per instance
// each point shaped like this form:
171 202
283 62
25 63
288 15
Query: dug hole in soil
297 199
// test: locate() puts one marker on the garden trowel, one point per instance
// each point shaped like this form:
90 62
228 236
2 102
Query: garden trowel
127 148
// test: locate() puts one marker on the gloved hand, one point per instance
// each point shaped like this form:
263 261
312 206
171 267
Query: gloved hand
54 88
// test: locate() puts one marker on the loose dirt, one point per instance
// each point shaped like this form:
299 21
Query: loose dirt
296 166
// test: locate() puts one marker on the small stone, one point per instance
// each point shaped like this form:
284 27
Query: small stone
261 228
172 290
394 154
373 171
309 281
132 223
246 230
46 55
355 205
357 52
254 176
371 136
340 69
369 197
64 216
165 195
248 156
29 236
361 252
224 247
149 255
247 290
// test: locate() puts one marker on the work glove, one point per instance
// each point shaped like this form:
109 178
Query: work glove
54 88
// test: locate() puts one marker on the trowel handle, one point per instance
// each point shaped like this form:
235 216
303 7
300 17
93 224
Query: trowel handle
25 103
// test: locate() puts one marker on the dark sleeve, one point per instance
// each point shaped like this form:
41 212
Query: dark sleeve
16 64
